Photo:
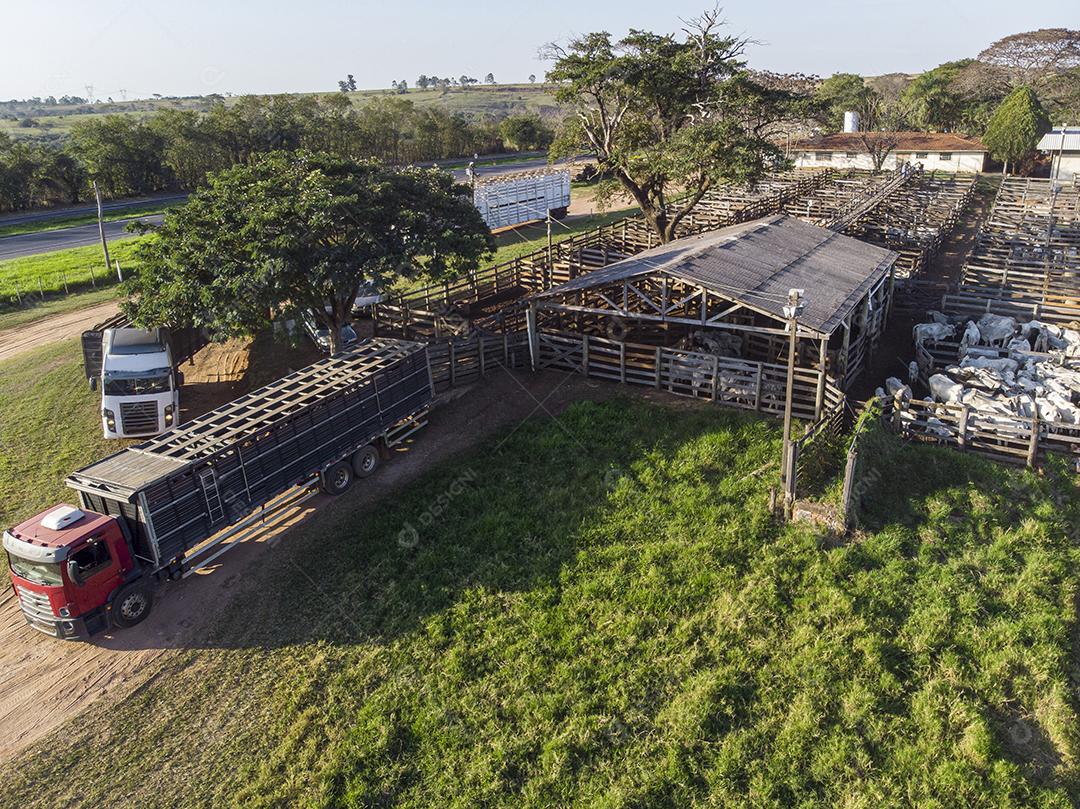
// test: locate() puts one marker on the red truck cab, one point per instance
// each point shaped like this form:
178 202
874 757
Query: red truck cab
74 573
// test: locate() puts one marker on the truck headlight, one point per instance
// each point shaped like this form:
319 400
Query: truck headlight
110 419
168 415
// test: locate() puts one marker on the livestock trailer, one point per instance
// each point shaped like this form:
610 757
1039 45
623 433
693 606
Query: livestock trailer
513 199
161 509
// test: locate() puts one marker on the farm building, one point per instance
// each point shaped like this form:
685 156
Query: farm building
719 297
936 151
1063 146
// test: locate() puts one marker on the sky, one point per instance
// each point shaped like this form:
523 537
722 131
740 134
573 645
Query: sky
194 47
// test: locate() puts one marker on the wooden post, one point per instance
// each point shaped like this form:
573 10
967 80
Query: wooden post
657 367
715 377
961 430
1033 444
819 400
534 339
101 225
480 341
787 467
757 386
453 363
585 354
622 362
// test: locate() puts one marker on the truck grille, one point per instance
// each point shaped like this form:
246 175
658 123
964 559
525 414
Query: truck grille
139 417
38 611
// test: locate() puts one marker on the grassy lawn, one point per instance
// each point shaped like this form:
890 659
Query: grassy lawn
523 240
49 272
49 426
36 309
602 612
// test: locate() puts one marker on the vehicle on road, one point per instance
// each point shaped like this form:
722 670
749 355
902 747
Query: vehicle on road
167 507
320 334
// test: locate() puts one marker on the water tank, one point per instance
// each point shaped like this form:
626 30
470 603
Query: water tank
851 121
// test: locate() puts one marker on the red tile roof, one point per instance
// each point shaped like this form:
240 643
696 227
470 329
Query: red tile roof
905 142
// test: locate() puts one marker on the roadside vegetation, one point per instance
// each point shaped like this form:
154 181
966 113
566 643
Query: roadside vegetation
62 272
61 222
602 611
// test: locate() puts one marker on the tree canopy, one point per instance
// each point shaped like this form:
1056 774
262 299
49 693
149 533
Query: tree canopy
1016 126
297 232
667 117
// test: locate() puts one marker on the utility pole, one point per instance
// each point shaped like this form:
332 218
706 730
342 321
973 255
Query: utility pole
101 227
794 308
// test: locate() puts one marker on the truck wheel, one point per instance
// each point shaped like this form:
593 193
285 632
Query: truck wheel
365 461
559 213
338 478
132 604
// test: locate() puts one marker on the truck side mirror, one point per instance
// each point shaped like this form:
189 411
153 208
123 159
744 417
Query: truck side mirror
179 379
93 383
73 571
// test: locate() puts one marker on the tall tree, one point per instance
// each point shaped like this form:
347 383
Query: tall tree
489 78
840 93
301 232
1032 55
665 116
1016 126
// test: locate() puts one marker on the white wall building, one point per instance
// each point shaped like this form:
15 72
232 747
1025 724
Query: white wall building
936 151
1063 146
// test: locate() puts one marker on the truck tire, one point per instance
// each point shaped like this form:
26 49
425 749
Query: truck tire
559 213
132 604
338 478
365 461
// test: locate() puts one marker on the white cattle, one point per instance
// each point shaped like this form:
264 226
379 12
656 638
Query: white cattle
996 329
971 336
944 389
934 332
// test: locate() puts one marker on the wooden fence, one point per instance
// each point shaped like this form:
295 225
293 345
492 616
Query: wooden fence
1010 439
479 300
464 360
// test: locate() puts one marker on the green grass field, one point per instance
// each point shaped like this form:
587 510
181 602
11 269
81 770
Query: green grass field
50 426
602 612
78 269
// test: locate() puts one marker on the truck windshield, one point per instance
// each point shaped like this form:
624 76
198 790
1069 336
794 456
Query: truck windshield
37 572
141 384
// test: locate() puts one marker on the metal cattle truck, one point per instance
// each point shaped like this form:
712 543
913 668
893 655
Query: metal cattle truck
505 200
162 509
136 370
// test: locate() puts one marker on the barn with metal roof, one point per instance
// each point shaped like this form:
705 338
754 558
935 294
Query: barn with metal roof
724 292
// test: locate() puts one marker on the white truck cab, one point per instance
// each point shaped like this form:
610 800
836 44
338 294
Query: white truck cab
140 388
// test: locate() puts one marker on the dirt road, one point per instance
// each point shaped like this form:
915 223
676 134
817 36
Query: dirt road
53 328
45 682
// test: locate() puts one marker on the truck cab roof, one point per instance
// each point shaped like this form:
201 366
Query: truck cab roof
31 539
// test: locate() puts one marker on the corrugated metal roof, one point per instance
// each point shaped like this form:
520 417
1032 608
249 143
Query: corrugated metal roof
756 263
1052 142
903 142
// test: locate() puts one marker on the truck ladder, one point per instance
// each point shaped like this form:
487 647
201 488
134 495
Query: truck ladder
214 509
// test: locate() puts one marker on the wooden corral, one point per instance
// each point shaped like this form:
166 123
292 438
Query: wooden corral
723 293
479 300
908 210
1026 259
1010 439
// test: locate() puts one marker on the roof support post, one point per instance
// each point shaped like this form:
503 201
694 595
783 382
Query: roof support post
534 338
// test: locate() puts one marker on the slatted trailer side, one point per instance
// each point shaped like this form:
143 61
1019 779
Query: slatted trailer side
183 487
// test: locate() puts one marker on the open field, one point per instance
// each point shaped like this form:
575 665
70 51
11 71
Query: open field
473 102
77 269
599 610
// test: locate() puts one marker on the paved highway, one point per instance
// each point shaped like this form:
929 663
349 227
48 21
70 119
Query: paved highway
28 217
29 244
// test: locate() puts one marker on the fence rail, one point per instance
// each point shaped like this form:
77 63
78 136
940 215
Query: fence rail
1010 439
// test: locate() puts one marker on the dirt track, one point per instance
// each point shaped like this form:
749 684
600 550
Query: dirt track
45 682
53 328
